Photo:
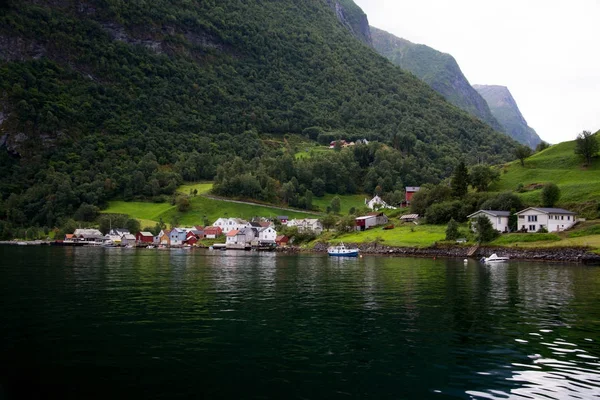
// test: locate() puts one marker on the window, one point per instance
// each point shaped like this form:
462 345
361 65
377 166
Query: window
562 217
568 218
532 218
521 217
532 227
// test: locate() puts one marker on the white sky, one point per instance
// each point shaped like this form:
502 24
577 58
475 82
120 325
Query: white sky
546 52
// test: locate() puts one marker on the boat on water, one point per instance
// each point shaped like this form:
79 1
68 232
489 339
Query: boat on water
493 259
341 250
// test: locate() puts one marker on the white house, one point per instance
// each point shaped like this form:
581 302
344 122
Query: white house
229 224
499 219
376 203
553 219
365 222
242 237
115 235
307 225
128 239
267 235
88 235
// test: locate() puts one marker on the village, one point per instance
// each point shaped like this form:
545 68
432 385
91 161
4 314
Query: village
262 233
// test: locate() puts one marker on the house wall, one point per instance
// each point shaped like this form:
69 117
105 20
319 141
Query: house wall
268 234
499 223
532 220
553 222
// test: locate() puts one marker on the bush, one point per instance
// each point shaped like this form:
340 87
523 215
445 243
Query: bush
452 232
503 202
550 194
484 230
441 213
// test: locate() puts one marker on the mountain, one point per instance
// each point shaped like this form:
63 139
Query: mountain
505 109
353 18
439 70
113 99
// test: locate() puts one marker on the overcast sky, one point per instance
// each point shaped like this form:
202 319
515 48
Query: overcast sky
546 52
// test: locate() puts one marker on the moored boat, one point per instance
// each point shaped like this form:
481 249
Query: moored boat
341 250
494 258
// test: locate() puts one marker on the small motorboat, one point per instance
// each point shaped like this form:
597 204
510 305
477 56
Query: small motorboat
342 251
494 259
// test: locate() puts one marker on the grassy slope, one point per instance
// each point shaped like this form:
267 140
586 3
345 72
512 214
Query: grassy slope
150 213
557 164
404 235
346 202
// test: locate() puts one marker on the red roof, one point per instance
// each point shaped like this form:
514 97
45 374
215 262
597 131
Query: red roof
232 232
282 238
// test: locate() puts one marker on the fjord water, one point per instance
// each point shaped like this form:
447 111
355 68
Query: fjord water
96 323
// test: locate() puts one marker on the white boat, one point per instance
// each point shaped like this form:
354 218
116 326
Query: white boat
342 251
494 259
150 246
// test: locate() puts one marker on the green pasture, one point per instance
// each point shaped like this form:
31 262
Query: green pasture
346 202
150 213
404 235
557 164
201 187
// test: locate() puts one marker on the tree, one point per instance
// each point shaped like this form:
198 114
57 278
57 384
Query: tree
503 202
328 221
550 194
460 180
586 146
522 152
183 203
484 229
452 232
335 204
541 146
482 175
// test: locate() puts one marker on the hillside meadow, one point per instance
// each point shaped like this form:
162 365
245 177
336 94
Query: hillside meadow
558 164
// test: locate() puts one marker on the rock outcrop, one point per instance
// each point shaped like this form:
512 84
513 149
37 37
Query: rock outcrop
353 18
505 109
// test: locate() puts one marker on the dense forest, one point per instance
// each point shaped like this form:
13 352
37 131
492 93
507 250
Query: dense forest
126 99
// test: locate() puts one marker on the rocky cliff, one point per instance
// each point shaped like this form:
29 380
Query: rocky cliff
505 109
353 18
437 69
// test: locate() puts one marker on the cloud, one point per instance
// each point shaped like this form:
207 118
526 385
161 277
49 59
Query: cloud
545 52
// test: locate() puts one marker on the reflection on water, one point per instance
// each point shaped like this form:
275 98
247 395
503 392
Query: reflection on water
225 324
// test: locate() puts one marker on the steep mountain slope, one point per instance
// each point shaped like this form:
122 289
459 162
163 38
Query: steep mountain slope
505 109
437 69
353 18
100 99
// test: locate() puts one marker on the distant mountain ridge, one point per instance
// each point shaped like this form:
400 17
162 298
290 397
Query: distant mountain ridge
439 70
505 109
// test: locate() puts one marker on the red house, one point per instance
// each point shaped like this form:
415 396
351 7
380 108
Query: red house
409 192
192 240
282 240
144 237
211 232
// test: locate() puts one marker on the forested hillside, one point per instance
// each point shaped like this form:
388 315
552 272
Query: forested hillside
505 109
125 99
439 70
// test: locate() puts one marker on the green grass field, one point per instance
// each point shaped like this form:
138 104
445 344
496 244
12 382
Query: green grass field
346 201
150 213
404 235
202 187
557 164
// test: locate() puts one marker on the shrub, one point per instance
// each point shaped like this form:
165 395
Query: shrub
484 230
452 232
550 194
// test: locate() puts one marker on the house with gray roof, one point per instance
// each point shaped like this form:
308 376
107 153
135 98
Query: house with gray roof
499 219
552 219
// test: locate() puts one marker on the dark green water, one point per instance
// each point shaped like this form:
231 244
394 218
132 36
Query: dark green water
101 323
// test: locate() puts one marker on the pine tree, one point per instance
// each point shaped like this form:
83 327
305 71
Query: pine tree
460 180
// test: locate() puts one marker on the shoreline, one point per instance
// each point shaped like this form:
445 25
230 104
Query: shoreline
577 255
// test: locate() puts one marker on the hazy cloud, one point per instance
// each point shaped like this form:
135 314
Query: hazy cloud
546 52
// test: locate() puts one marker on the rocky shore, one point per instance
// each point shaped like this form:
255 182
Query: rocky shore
562 254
